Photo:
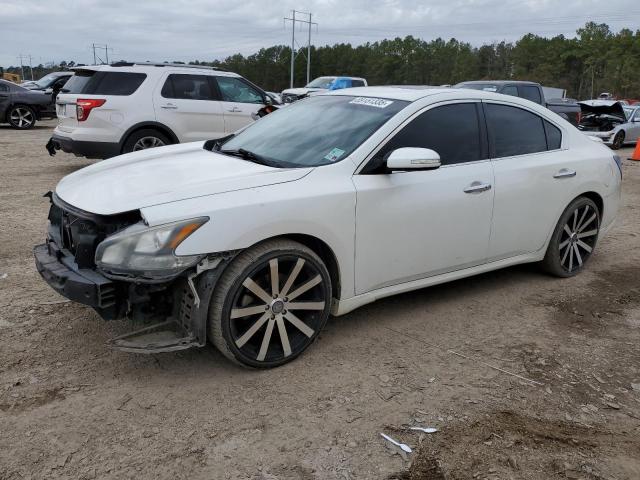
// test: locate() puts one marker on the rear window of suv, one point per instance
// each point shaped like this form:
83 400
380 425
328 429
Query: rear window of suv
91 82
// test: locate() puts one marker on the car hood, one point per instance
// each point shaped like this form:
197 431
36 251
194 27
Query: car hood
603 107
302 91
162 175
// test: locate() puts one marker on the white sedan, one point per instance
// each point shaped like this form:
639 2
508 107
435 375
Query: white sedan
252 241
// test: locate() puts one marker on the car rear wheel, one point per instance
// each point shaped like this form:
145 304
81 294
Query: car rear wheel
21 117
618 141
270 304
573 239
143 139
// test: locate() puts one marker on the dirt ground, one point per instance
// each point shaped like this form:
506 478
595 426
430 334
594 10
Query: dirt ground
72 408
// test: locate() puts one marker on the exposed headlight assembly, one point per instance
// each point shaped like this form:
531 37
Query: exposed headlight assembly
148 253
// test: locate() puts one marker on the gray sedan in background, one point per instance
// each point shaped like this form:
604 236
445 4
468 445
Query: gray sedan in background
21 108
614 123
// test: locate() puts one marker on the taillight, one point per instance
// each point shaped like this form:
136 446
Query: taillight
84 107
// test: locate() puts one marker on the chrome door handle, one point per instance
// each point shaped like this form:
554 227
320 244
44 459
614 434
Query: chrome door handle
565 173
234 109
169 106
477 187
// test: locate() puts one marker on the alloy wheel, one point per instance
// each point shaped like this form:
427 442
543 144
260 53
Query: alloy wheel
147 142
578 238
21 117
278 309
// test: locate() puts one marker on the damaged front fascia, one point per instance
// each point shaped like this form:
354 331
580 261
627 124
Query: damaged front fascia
187 325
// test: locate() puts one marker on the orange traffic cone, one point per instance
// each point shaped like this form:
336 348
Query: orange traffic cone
636 152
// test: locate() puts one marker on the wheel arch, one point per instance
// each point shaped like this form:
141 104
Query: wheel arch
590 194
153 125
322 249
596 198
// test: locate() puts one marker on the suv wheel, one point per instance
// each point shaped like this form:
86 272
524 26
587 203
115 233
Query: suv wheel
270 304
574 239
21 117
143 139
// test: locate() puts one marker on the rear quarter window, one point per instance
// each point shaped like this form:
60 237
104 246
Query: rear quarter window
104 83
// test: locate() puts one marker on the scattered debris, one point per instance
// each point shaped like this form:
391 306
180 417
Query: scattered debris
424 429
3 276
403 446
125 399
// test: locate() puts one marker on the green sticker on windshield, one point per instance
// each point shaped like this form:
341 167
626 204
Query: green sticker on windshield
334 155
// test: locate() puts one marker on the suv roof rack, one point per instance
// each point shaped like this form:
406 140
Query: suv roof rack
162 64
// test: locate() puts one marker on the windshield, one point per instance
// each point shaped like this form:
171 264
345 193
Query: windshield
628 112
487 87
45 81
321 82
316 131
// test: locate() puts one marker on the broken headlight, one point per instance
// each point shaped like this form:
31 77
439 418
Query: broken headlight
140 251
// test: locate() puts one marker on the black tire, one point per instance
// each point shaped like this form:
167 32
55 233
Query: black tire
147 136
573 239
255 339
618 141
21 117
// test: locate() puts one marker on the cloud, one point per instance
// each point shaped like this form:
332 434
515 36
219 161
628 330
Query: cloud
209 29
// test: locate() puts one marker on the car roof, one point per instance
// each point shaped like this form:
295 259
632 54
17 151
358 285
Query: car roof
412 93
409 94
155 67
498 82
11 84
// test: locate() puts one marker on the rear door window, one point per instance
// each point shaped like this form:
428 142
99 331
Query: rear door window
530 92
188 87
554 136
514 131
91 82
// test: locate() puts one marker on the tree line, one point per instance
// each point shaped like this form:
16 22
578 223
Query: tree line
595 60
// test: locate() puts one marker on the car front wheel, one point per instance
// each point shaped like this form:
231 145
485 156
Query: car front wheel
270 304
21 117
573 239
618 141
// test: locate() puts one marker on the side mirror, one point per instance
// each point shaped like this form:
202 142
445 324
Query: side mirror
411 158
48 91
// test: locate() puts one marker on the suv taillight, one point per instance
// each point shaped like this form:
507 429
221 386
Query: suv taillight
84 107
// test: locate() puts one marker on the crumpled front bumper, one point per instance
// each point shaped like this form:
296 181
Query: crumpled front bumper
80 285
606 137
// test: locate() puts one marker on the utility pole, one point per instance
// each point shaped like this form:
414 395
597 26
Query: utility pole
21 67
293 21
22 58
96 57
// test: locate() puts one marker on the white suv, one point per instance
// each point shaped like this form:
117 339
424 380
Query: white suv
106 110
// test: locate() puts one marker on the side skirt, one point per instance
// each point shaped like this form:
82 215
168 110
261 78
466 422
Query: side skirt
341 307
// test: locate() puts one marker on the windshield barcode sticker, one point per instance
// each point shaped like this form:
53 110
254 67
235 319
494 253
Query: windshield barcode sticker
372 102
334 154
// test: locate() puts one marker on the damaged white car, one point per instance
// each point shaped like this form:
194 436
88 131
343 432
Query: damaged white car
251 241
612 122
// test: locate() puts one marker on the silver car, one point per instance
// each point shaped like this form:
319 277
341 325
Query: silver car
613 122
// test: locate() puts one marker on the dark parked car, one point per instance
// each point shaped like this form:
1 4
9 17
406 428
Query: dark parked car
565 107
50 83
20 107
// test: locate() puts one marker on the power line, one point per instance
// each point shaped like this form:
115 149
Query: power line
293 21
